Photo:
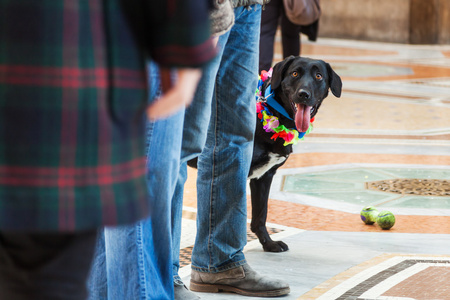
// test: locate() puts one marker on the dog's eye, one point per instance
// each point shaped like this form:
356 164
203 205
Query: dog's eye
319 76
294 74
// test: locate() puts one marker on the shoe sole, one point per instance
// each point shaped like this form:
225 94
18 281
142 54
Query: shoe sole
216 288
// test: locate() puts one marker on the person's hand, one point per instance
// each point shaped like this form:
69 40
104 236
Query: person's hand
215 40
176 96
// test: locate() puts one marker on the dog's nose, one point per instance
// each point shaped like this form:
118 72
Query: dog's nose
304 94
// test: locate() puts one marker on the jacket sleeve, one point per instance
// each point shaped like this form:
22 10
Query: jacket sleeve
222 17
174 33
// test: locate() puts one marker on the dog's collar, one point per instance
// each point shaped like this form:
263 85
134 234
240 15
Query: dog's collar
272 124
270 99
269 96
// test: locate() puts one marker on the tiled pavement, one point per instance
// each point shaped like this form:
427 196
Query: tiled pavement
385 142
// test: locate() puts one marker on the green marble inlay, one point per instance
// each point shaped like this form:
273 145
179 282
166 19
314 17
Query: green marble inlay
350 175
419 202
295 184
418 173
359 198
348 185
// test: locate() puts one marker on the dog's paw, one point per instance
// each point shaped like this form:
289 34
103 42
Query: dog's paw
275 246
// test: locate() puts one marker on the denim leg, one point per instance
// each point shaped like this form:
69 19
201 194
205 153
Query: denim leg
225 160
157 244
121 262
196 121
177 211
115 269
96 284
137 258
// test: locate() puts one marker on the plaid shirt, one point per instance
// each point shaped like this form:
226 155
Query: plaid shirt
72 93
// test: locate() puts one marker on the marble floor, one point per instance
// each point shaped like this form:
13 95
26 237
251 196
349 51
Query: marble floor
385 143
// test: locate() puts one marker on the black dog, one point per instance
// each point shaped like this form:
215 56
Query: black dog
299 85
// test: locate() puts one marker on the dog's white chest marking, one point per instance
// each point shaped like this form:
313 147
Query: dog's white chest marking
274 159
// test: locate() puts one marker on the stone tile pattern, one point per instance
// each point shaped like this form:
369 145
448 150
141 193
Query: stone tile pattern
358 290
431 283
398 280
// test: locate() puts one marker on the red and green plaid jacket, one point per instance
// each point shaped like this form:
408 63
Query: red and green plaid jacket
72 93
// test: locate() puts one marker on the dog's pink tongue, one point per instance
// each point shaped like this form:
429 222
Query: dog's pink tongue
302 117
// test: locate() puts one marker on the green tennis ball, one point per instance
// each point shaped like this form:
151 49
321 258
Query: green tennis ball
386 219
369 215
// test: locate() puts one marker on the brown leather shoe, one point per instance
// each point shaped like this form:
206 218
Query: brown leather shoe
241 280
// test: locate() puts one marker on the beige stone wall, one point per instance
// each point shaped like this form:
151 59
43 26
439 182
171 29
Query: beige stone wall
399 21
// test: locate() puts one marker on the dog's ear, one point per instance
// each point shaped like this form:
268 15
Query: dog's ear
334 81
278 71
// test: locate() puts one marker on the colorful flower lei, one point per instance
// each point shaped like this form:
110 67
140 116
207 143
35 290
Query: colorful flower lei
270 122
261 78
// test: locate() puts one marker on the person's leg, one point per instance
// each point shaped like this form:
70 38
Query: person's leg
196 121
218 262
225 161
138 262
52 266
97 281
269 24
290 36
155 241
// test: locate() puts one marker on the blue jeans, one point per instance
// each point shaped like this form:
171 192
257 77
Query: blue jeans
134 262
219 127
